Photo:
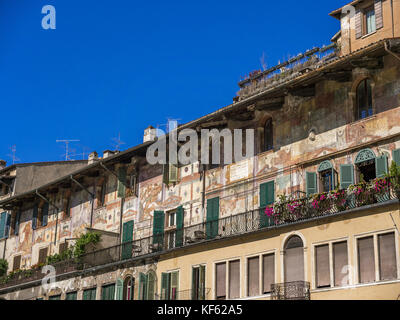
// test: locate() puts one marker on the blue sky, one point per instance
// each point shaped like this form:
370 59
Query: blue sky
116 67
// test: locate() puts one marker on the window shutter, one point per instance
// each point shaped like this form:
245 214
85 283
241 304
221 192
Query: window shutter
387 256
212 218
268 272
34 217
294 264
358 22
174 285
2 224
120 289
378 14
142 286
381 166
158 228
173 173
253 277
8 223
202 283
150 286
346 175
366 260
322 266
17 220
220 289
267 197
340 261
45 214
234 279
121 181
396 156
179 226
71 296
17 262
165 277
311 183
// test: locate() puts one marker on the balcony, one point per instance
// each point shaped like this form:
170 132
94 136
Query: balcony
285 212
297 290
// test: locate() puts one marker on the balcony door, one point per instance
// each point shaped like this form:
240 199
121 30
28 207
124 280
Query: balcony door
294 259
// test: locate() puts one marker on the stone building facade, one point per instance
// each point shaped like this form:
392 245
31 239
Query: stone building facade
326 120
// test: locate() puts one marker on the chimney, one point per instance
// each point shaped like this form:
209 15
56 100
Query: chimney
149 134
93 157
3 164
108 153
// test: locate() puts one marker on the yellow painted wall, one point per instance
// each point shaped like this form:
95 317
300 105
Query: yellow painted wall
328 229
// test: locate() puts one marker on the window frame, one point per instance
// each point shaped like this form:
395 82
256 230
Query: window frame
365 13
375 236
357 99
330 243
227 287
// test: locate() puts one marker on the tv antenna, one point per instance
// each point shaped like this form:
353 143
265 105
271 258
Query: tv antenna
13 156
67 142
118 142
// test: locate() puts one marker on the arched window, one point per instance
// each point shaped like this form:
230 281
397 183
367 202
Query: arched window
364 99
365 164
268 136
294 259
129 288
327 176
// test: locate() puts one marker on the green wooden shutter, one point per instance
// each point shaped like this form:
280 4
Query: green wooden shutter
311 183
150 286
71 296
346 175
202 283
127 238
179 227
89 294
158 228
142 286
121 181
119 289
212 218
34 216
267 198
381 166
8 223
172 173
396 156
17 220
165 285
3 218
45 214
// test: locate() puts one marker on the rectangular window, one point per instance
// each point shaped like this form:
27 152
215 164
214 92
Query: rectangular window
71 296
42 256
62 247
253 276
268 272
234 279
220 281
172 219
340 264
322 266
89 294
198 283
370 20
56 297
17 263
173 293
366 260
387 256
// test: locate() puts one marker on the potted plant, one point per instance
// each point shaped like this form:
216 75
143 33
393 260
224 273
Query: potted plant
394 173
362 193
339 199
380 188
321 203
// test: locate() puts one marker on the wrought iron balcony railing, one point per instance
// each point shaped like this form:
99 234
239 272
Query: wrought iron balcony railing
298 290
299 210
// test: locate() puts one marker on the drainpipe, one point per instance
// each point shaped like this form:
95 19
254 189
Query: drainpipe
391 7
391 52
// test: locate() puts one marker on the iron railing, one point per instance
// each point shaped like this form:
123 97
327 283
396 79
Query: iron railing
297 290
238 224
